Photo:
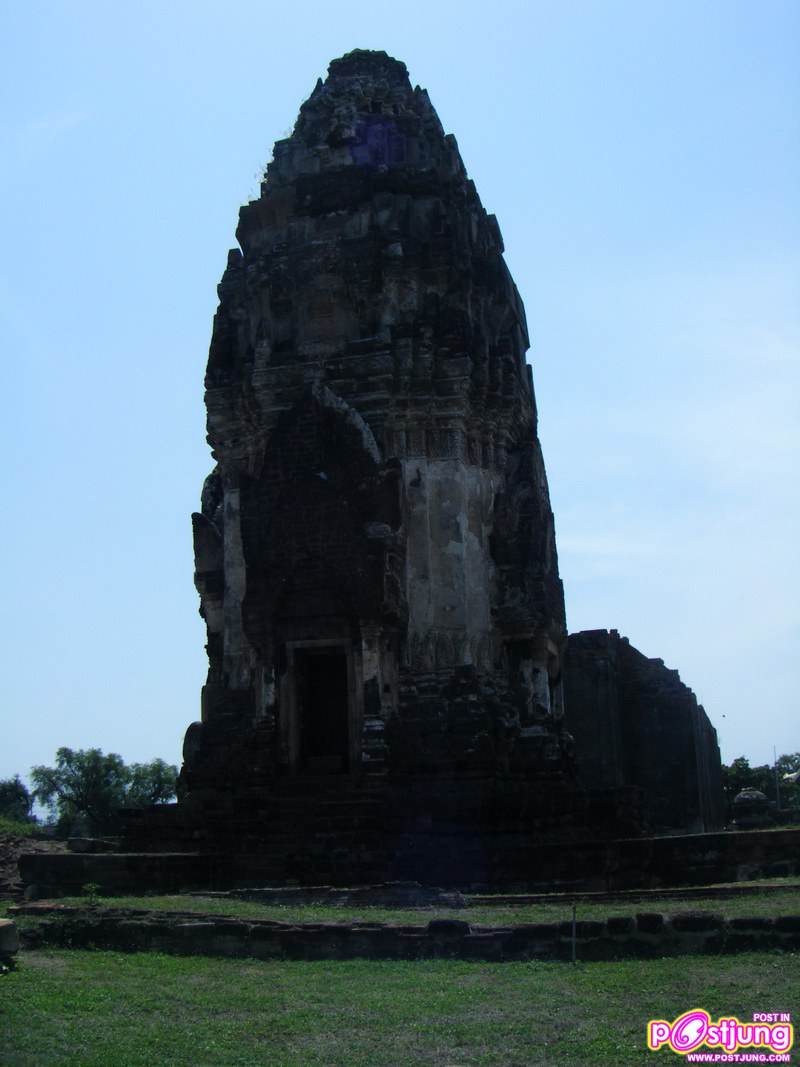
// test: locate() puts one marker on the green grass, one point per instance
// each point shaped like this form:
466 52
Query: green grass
778 902
95 1009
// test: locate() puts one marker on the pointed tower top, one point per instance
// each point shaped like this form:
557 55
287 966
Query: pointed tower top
365 115
365 63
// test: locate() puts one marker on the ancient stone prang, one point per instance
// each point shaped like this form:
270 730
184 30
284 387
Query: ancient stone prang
375 554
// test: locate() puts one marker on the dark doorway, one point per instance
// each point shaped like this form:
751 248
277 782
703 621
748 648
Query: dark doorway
322 705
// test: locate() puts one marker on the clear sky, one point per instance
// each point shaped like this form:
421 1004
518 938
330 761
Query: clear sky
643 160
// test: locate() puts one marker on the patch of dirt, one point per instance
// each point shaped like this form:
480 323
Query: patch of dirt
41 960
10 847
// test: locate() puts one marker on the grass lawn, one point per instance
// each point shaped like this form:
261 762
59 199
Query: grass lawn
777 902
105 1009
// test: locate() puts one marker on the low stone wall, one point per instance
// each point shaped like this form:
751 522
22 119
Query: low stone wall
648 934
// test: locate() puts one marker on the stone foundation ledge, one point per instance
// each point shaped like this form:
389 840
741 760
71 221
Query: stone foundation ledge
472 863
648 934
66 873
408 894
620 896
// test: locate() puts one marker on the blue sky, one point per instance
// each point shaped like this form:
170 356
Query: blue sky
643 160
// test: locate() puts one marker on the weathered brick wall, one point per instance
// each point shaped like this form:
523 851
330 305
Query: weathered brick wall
636 723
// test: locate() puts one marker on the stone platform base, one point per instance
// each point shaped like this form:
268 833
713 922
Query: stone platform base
512 862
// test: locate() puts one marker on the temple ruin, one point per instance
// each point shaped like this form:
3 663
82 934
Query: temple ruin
375 552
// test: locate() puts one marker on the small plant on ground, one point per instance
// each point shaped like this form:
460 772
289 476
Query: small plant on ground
91 890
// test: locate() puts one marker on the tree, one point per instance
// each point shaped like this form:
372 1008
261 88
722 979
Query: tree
151 783
789 763
86 788
740 775
15 799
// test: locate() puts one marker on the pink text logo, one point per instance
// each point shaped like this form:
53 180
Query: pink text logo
772 1031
